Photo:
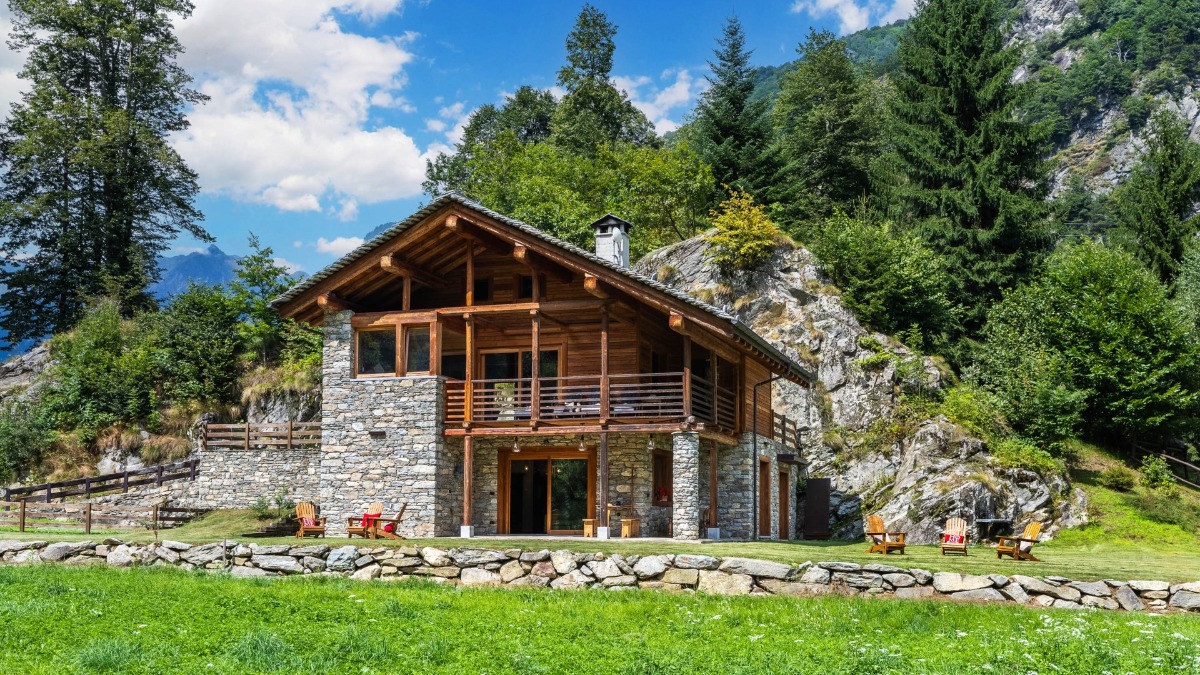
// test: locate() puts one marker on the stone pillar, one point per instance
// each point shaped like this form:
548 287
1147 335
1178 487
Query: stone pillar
685 487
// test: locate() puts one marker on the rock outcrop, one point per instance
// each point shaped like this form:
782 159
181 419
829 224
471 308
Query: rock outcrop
933 472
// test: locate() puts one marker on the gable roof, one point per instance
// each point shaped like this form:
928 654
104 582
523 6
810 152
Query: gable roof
794 369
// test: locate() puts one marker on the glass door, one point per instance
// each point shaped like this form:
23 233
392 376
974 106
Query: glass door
568 494
503 373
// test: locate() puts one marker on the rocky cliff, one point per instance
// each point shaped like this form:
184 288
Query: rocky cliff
931 471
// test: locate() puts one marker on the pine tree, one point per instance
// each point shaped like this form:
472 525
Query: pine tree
969 168
733 132
594 112
829 128
1156 206
91 190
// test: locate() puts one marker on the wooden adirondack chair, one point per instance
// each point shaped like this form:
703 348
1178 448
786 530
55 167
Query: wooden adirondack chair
379 530
881 540
364 525
1020 548
307 511
956 528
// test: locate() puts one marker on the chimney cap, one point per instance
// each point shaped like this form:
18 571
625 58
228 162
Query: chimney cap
609 221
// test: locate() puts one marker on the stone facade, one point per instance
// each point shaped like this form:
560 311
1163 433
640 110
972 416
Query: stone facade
233 478
685 461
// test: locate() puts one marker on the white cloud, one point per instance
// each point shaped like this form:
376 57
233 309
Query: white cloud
348 210
297 244
288 265
854 15
339 246
659 103
291 96
11 63
452 123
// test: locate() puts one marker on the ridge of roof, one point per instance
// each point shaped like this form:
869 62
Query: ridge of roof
453 197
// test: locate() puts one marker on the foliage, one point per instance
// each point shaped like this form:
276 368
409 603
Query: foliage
92 190
1156 474
1016 453
1104 327
196 337
25 435
1118 477
1164 505
264 335
889 278
277 507
745 238
975 410
731 131
1156 205
1187 284
968 165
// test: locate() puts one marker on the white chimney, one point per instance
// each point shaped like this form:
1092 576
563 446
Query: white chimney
612 240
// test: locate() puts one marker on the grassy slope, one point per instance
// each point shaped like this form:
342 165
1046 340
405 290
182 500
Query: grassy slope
79 620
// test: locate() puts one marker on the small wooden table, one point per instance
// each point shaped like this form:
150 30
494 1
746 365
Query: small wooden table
589 527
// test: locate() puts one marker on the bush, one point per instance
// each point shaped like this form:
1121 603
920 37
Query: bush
1156 474
745 239
1120 478
25 436
197 344
279 507
975 410
1015 453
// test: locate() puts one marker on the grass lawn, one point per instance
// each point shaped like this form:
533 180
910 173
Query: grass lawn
62 619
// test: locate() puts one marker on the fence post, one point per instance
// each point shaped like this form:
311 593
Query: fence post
195 465
154 520
87 487
48 487
21 517
87 519
158 476
247 434
125 481
289 443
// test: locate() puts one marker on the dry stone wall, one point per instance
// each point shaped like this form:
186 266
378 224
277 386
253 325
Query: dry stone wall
571 570
232 478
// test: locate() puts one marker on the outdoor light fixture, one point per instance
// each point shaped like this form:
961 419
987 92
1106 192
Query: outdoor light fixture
650 445
516 445
582 447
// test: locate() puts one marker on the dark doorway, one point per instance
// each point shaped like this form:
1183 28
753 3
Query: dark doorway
816 508
764 498
528 492
785 504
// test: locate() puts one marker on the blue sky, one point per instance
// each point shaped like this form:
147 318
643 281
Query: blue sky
323 112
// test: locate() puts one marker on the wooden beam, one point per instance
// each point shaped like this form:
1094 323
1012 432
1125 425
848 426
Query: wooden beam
469 385
470 300
591 283
454 323
604 383
539 263
686 326
535 406
394 265
331 302
470 231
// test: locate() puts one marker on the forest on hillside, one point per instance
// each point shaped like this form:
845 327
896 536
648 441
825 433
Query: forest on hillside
910 159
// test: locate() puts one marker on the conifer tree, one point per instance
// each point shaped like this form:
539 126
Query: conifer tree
1156 206
91 190
969 168
733 132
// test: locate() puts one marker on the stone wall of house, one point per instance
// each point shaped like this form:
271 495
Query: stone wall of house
570 570
736 488
381 441
233 478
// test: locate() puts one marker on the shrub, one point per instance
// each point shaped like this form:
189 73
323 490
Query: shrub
975 410
1015 453
25 435
745 239
196 336
1120 478
1156 474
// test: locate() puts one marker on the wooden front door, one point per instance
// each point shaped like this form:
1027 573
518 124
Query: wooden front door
764 497
785 503
545 490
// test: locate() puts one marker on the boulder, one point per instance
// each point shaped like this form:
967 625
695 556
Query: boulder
650 566
1037 586
1187 600
984 594
683 577
473 576
271 549
166 554
563 561
953 582
923 577
1142 585
879 568
1194 587
1096 601
435 557
1059 603
603 569
446 572
815 575
121 556
311 563
865 580
204 554
277 563
1128 600
794 588
535 556
511 570
756 568
368 573
1014 592
722 583
915 592
998 580
530 581
245 572
316 551
62 550
1095 588
900 579
13 545
619 581
175 545
574 579
840 566
696 562
544 569
474 557
341 559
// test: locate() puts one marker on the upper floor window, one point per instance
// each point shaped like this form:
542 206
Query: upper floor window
377 352
525 287
482 290
416 350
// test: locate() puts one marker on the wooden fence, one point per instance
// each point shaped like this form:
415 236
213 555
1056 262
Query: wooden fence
112 482
25 515
1185 472
281 436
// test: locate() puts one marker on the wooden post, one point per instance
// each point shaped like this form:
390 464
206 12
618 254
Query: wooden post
247 434
289 443
21 517
468 480
712 485
87 487
154 520
49 487
87 518
435 348
158 476
535 392
602 504
125 481
604 389
195 465
713 362
470 274
406 299
469 384
687 376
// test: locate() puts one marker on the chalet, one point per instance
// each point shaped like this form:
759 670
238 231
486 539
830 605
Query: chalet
501 381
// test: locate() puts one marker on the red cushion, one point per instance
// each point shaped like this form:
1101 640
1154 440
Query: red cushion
308 522
954 538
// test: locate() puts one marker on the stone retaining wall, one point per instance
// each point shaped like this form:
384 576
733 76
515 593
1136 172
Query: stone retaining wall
569 570
233 478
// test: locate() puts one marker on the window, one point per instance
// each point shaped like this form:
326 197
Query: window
377 352
525 287
454 366
483 290
416 352
662 478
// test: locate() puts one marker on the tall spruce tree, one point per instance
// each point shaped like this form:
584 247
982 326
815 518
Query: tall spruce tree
829 126
594 112
91 192
732 131
1156 206
969 168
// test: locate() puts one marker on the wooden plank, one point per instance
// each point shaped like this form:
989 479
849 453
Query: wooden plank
394 265
331 302
539 263
472 232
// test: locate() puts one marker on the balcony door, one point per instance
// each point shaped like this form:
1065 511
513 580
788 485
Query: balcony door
508 376
545 490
